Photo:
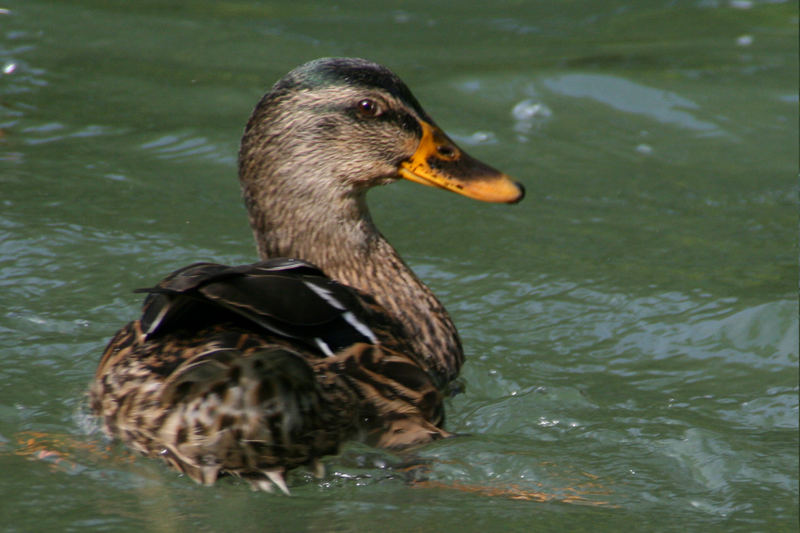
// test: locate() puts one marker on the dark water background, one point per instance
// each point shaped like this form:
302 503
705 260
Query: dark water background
631 327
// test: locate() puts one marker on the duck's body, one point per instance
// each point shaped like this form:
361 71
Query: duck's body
257 369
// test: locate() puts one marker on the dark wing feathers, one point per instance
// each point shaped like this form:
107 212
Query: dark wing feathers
282 296
289 297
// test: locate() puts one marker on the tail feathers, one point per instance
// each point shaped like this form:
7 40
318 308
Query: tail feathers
253 416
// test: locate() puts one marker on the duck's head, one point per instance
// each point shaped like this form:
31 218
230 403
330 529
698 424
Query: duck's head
334 127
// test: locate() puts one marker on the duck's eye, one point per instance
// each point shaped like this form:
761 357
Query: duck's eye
369 107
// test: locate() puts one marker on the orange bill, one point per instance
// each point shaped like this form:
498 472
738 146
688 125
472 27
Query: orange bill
438 162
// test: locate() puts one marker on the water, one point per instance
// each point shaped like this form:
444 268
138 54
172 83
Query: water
631 327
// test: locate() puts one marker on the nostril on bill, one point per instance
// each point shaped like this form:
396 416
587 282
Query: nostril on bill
445 150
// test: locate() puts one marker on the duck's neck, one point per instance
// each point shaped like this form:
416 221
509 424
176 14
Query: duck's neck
342 240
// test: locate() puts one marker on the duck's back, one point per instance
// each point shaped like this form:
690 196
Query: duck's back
257 369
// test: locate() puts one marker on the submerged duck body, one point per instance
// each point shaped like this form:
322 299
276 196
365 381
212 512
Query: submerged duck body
257 369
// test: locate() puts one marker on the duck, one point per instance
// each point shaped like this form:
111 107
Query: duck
254 370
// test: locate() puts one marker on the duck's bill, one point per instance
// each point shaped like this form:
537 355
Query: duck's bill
438 162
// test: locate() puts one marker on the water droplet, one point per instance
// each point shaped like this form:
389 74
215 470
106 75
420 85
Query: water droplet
528 113
528 110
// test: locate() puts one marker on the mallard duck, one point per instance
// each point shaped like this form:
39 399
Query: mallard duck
255 370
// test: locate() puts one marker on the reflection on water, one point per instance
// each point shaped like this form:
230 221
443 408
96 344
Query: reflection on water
629 97
631 328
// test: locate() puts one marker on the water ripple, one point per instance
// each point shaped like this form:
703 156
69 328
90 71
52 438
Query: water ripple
624 95
187 146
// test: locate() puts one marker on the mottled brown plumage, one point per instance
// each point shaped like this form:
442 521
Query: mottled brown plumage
257 369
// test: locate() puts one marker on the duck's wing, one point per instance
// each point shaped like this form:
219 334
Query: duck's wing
287 297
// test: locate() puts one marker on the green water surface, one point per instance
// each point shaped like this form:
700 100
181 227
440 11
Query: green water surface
631 328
